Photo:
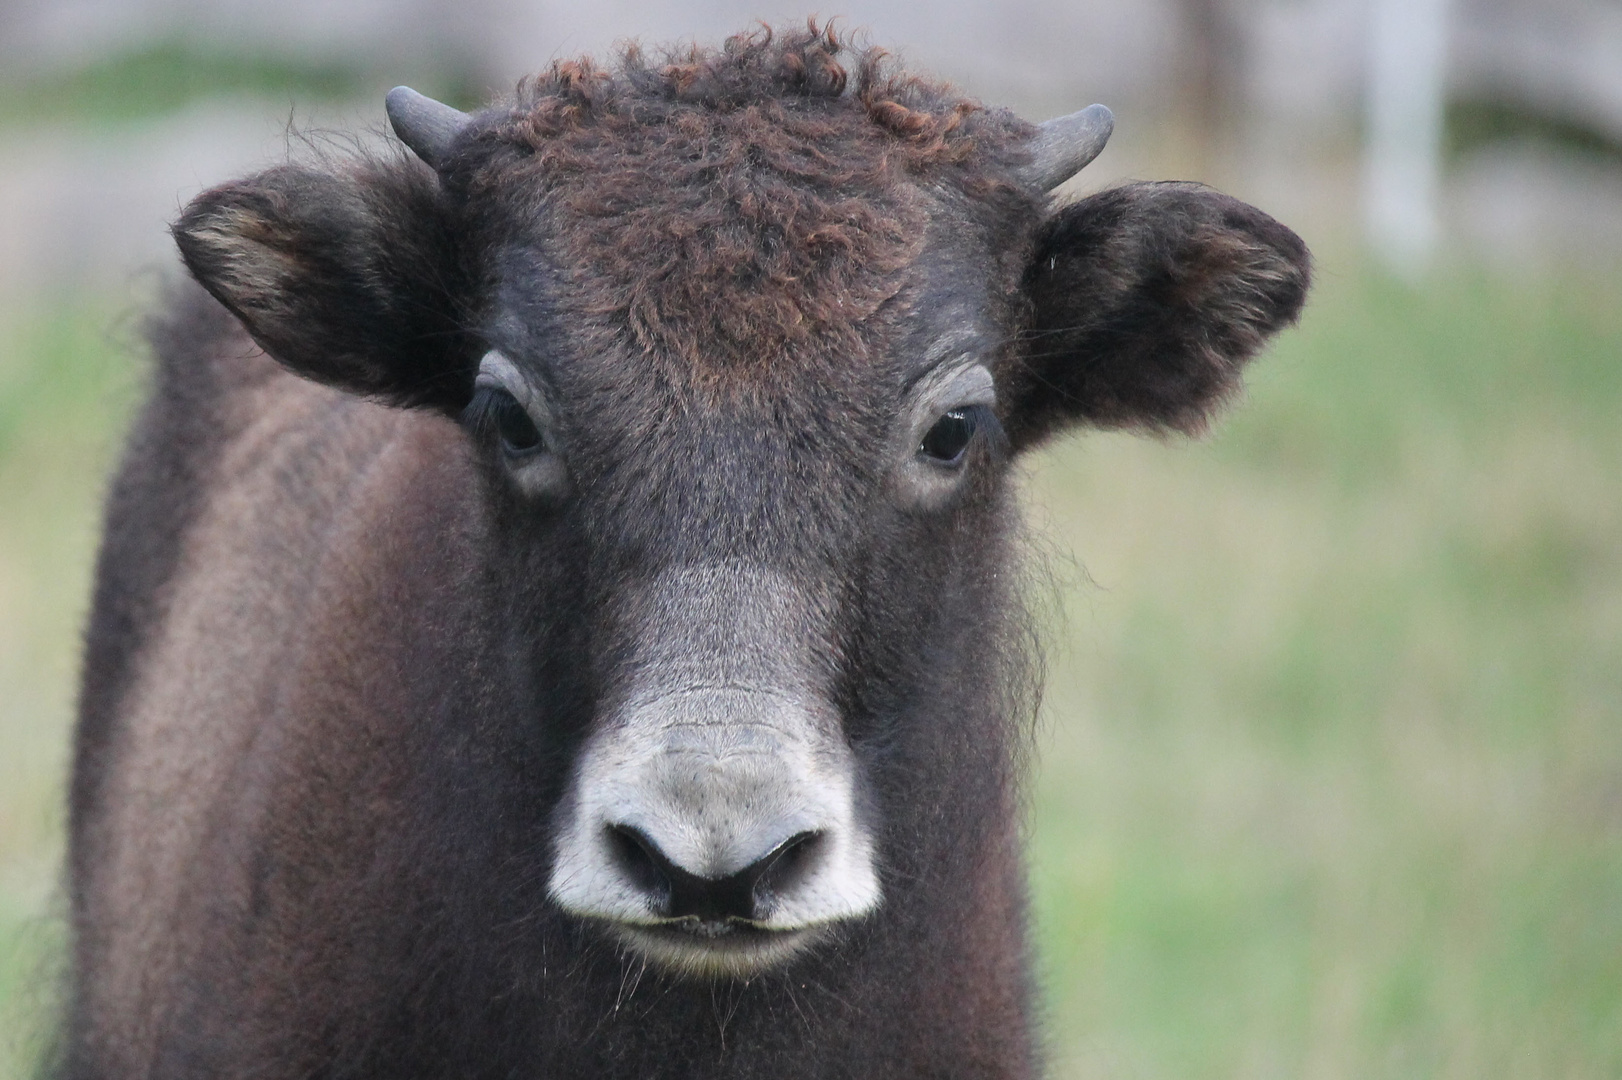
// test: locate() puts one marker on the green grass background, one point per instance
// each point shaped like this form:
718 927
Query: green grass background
1332 783
1331 771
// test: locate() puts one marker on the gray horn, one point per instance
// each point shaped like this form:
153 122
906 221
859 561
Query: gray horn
425 125
1064 145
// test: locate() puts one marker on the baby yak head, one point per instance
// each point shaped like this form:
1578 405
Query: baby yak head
745 342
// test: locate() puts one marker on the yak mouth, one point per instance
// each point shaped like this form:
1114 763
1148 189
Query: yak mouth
728 947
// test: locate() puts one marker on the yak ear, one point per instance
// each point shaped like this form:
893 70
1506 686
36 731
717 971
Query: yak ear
1146 302
347 278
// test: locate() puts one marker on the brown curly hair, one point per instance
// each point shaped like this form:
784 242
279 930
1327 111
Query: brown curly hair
742 200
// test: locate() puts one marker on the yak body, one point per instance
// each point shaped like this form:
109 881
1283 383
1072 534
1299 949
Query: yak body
344 871
369 646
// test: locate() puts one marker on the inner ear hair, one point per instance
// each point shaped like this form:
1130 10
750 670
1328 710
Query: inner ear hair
1147 300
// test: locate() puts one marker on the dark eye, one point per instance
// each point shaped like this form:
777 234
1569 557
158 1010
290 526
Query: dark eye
518 432
946 441
495 410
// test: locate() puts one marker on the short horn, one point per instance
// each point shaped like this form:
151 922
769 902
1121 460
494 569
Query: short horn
427 126
1063 146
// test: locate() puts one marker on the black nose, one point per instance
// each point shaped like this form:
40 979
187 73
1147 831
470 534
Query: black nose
678 893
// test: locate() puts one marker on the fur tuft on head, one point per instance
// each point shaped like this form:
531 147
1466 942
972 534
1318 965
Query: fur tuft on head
797 68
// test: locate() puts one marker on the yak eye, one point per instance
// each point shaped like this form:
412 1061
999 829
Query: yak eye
946 441
518 432
495 410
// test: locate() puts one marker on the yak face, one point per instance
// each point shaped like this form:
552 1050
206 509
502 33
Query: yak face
757 507
744 345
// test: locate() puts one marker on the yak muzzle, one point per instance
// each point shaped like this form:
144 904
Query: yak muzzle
716 829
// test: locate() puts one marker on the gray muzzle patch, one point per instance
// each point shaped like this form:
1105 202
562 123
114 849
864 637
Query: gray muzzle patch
713 816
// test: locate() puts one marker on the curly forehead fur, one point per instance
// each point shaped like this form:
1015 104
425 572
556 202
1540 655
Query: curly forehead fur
732 207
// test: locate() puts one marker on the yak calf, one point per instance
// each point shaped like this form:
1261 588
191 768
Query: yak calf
559 612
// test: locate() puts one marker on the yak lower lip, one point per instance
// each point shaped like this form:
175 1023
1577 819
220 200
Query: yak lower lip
714 928
731 947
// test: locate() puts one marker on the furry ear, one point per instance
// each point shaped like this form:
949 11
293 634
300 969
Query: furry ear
347 278
1147 300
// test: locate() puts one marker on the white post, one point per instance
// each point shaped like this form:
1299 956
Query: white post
1402 157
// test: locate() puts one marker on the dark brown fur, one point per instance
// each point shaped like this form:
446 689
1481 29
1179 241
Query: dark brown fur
338 668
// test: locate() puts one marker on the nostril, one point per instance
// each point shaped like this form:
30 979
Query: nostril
640 860
748 894
784 867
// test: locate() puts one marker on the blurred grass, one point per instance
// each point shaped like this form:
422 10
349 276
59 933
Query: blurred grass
67 385
1332 783
1332 771
162 77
